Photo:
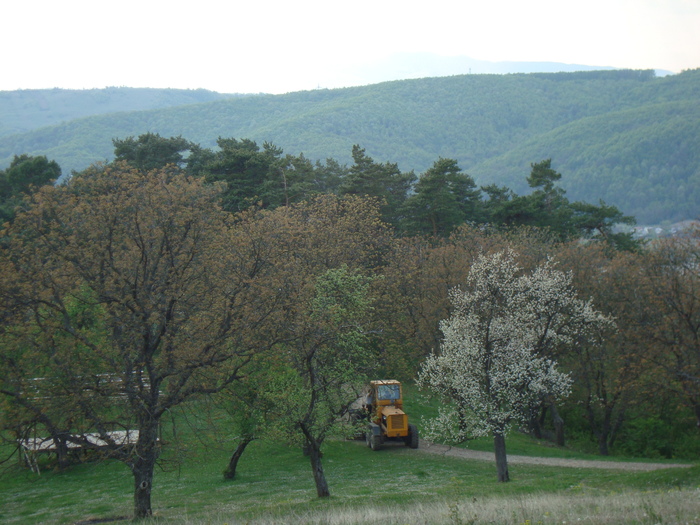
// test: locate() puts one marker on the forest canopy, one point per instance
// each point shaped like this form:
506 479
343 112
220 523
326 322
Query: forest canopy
433 203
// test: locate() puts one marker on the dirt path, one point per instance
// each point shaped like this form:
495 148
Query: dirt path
445 450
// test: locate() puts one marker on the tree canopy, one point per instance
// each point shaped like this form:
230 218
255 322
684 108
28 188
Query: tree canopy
137 292
496 360
151 151
24 174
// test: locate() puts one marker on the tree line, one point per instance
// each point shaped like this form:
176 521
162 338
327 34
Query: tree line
434 203
275 287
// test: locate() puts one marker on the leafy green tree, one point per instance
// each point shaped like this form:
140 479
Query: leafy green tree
325 251
150 151
262 177
39 396
24 174
545 207
251 403
384 181
599 223
329 176
198 160
544 177
496 204
328 361
300 179
444 197
243 168
548 207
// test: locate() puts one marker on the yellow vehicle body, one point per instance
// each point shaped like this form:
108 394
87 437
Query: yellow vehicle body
384 402
394 422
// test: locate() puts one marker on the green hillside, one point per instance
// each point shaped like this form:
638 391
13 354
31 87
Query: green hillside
627 137
28 109
645 160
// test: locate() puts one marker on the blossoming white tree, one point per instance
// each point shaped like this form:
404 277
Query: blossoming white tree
495 361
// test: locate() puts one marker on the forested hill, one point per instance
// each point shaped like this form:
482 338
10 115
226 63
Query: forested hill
28 109
626 137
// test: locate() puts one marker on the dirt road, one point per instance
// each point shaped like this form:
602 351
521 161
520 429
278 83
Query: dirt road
445 450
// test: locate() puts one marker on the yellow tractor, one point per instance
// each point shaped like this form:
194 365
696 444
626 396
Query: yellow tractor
387 420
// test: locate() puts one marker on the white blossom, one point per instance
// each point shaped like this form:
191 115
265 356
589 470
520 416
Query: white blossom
496 361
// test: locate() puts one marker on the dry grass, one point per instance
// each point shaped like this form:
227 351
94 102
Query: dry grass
673 507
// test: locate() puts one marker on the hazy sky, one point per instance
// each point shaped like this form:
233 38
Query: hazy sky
278 46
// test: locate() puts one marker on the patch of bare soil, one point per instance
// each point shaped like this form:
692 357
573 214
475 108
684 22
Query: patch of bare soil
465 453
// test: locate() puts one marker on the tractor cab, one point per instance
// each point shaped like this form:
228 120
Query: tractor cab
388 393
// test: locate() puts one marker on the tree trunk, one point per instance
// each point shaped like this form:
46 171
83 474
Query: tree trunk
142 467
616 428
603 435
499 444
558 423
143 482
536 422
317 468
602 432
61 450
230 471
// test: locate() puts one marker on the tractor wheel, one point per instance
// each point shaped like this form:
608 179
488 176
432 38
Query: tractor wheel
412 438
375 441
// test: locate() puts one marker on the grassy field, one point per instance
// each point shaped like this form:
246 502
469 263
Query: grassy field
394 485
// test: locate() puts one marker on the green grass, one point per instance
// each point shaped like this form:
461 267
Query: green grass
524 445
274 484
275 481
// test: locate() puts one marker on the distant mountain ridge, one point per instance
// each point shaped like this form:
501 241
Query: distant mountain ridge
28 109
628 137
406 66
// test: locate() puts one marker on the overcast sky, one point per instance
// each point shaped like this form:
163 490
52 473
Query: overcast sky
277 46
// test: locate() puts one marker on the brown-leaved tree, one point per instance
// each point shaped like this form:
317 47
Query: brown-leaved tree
128 294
